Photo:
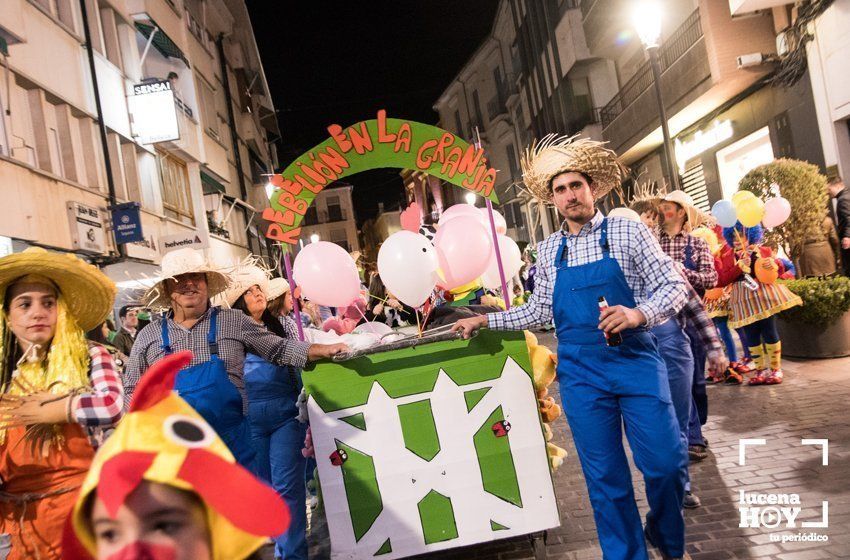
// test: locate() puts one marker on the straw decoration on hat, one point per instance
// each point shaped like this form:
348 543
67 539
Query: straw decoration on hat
86 290
277 287
185 261
246 274
555 154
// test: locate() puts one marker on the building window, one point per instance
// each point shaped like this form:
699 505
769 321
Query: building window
476 104
109 26
335 213
509 149
60 10
339 237
458 124
209 115
176 199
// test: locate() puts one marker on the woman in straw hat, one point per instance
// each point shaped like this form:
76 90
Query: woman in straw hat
58 392
607 280
273 391
219 338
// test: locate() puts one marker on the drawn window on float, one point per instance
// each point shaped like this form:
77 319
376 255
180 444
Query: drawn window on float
739 158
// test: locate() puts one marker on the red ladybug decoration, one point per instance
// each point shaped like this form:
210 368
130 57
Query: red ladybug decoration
501 428
338 457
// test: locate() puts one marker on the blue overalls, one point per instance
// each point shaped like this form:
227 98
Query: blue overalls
278 437
699 408
208 389
602 387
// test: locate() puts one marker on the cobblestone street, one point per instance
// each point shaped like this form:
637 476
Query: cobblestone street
812 403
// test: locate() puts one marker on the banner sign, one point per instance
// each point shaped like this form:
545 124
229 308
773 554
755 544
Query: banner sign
87 230
154 113
430 448
373 144
127 223
190 239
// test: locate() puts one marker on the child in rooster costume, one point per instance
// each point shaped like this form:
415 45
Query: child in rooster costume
59 394
756 298
165 487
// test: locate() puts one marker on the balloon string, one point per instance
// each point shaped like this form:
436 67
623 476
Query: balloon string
418 324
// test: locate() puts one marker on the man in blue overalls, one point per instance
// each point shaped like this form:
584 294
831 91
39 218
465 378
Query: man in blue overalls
605 386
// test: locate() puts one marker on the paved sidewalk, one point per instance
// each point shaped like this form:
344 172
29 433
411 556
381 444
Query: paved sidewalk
812 403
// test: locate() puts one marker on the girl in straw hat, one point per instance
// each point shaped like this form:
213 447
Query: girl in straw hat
605 282
58 392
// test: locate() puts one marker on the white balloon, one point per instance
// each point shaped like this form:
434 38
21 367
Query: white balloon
407 264
457 210
501 224
511 263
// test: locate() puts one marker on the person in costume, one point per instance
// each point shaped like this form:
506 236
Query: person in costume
756 299
607 386
59 393
273 390
213 384
166 487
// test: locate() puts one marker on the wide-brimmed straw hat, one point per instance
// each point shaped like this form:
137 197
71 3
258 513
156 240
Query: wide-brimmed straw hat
277 287
241 280
185 261
695 217
88 292
555 154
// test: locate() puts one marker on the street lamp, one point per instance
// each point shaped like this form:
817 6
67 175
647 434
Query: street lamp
647 21
314 238
470 198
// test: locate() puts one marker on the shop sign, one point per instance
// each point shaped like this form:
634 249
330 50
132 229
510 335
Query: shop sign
87 230
144 249
154 113
127 223
182 240
701 141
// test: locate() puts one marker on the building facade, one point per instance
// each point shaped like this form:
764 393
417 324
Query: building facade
331 218
201 180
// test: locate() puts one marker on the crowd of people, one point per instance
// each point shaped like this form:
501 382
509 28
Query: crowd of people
644 303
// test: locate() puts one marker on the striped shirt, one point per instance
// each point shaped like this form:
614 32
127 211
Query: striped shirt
658 288
236 334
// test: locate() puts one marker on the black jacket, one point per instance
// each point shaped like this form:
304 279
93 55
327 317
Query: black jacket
842 213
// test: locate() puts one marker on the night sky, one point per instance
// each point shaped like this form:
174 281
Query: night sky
339 62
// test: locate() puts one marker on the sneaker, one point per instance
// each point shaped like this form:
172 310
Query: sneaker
690 501
697 453
744 366
733 377
713 377
648 538
774 377
759 378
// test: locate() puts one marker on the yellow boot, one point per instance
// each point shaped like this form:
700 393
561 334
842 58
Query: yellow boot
774 355
757 355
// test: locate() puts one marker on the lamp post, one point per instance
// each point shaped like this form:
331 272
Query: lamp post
647 21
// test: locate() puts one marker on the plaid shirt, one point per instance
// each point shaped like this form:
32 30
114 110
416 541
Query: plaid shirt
694 313
704 277
237 334
658 288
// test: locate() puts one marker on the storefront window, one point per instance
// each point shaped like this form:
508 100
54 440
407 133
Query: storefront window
738 159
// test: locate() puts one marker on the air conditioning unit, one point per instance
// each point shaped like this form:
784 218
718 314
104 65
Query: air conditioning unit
750 60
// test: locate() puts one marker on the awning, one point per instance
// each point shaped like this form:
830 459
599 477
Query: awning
211 186
161 41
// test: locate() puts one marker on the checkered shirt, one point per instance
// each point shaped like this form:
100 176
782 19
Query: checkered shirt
704 277
236 334
658 288
104 405
694 313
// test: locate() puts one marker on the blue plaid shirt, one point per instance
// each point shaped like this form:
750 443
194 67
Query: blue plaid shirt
658 288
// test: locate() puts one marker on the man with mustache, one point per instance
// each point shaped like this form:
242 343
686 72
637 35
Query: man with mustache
609 370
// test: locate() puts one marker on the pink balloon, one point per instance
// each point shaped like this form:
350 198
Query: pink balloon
501 224
326 274
463 248
458 210
776 212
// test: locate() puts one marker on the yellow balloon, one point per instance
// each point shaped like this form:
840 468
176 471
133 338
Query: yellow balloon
750 212
740 197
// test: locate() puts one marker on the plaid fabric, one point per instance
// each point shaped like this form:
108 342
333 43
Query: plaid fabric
695 314
704 277
104 406
658 288
236 335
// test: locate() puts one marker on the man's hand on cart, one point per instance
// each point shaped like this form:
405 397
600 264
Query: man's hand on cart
320 351
469 325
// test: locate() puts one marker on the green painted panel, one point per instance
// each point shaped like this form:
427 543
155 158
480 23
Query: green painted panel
356 420
497 526
496 462
361 489
438 518
414 370
474 397
386 548
418 429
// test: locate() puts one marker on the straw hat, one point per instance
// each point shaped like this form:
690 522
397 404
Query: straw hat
695 217
277 287
555 154
241 280
626 213
87 291
184 261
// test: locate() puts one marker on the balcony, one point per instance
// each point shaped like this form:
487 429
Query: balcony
497 106
685 75
332 214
